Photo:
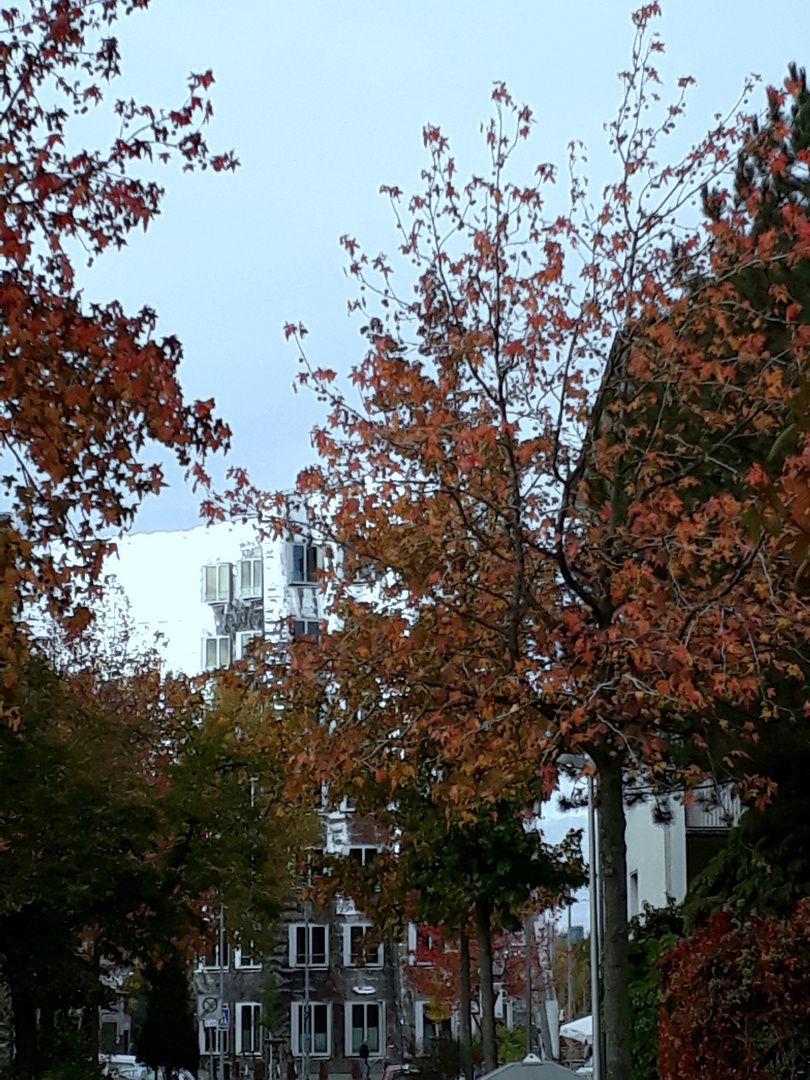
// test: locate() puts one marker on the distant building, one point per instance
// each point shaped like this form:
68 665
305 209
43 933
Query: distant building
571 936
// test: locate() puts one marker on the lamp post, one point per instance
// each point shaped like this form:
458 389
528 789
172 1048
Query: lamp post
569 979
575 762
527 933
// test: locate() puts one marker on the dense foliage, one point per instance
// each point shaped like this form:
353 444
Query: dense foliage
736 1000
652 934
129 808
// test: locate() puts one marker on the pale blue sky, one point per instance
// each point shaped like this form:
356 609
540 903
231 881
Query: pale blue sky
323 102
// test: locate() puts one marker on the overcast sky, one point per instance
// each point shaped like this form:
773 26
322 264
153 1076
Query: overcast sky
323 101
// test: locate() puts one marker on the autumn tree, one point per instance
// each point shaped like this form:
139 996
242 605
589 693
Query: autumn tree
488 868
89 395
569 478
129 808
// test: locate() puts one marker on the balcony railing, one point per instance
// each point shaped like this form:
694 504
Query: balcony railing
718 809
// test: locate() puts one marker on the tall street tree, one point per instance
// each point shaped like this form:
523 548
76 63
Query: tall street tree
564 485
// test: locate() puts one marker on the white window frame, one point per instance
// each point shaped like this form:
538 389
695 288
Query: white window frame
348 961
309 573
243 639
419 1021
308 627
249 964
633 906
348 1008
296 1035
254 589
211 963
412 943
255 1007
219 1037
369 852
221 663
223 573
293 941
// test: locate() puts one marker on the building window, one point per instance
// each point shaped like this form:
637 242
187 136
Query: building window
218 583
243 640
317 952
306 628
249 1027
212 959
214 1041
216 652
249 575
318 1035
364 1021
633 897
356 951
246 957
304 564
363 855
315 866
109 1036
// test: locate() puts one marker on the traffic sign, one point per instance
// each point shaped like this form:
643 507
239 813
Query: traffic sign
224 1018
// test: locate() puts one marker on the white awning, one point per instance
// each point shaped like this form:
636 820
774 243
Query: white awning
581 1029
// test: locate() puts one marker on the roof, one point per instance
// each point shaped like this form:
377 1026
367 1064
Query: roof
531 1070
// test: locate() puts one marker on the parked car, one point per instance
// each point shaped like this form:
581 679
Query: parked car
123 1066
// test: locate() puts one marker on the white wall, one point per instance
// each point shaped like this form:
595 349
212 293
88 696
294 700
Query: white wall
656 854
161 574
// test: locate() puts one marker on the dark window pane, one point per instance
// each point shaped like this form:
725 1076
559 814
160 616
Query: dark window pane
358 1026
109 1034
319 1029
247 1028
318 944
298 562
356 944
373 1027
312 563
300 945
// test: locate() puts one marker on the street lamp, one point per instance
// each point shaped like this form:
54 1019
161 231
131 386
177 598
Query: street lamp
575 763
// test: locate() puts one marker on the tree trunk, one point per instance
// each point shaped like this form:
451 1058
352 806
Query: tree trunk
613 865
466 1024
24 1065
46 1036
489 1043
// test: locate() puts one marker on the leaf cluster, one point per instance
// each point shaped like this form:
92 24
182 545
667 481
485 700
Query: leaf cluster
85 389
735 999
